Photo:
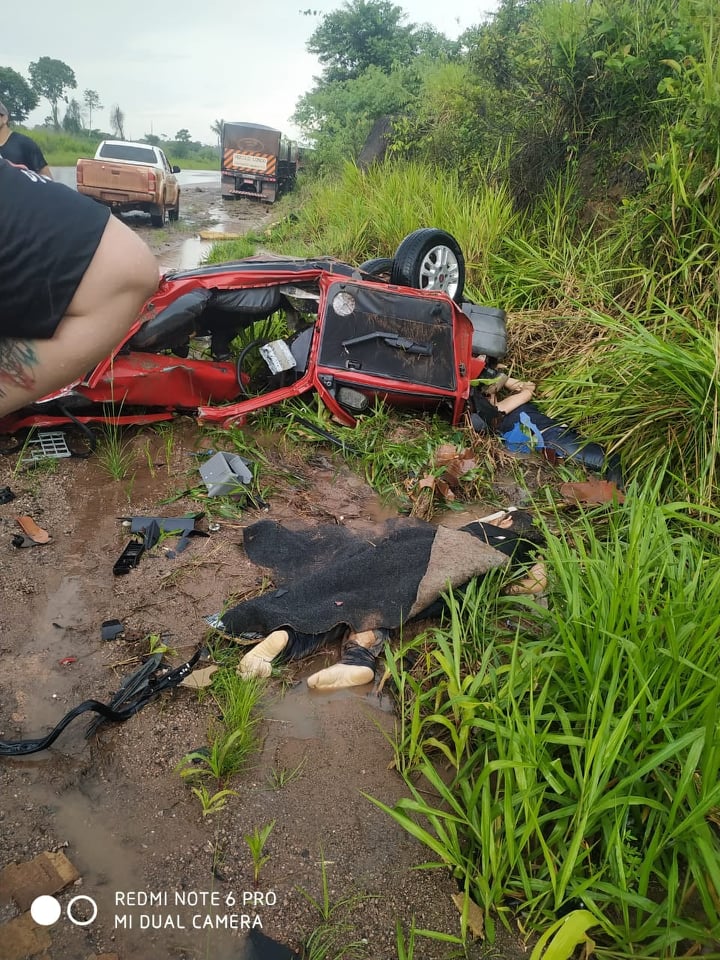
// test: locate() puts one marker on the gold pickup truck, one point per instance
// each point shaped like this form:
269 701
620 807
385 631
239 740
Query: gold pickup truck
131 176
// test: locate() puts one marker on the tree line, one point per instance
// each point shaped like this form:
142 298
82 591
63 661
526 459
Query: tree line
538 86
53 80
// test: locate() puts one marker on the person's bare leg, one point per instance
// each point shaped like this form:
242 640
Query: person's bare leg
121 276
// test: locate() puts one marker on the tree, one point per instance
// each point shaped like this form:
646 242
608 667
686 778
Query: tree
217 129
183 136
50 79
17 94
337 117
361 34
72 121
117 122
92 102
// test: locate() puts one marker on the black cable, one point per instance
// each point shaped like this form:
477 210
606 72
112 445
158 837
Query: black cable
260 342
84 428
141 681
308 424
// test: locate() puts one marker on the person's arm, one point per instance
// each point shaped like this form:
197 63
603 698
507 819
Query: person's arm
37 162
523 391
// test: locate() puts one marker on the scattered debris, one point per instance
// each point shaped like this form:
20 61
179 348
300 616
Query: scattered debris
47 873
129 558
32 535
111 629
223 473
150 529
66 661
47 445
219 235
143 686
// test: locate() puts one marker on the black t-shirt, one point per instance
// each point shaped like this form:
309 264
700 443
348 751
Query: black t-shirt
48 236
21 149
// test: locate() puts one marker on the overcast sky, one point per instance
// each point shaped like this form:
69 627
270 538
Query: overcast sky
186 64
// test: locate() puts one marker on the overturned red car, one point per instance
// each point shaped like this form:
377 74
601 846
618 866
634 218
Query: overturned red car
223 341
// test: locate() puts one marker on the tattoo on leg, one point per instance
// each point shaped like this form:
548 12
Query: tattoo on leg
17 360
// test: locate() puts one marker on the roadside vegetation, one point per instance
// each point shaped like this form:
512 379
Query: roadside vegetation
561 760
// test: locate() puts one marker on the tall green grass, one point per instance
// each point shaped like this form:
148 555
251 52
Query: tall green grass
574 759
651 388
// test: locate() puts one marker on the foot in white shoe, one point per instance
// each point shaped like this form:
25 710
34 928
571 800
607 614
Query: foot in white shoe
258 662
339 676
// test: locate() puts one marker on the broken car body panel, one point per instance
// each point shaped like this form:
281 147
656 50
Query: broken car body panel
411 348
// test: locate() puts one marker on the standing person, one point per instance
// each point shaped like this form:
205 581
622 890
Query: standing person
17 148
72 281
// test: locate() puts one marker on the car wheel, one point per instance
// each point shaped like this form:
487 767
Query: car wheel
157 219
380 268
430 259
174 212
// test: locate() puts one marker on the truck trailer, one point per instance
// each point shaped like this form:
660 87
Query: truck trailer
257 161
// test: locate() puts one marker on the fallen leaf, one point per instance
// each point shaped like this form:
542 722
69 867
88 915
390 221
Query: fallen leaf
475 915
591 492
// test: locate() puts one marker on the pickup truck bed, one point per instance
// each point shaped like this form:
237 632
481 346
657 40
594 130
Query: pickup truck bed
126 184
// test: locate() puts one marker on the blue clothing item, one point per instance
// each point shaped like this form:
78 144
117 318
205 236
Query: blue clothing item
524 437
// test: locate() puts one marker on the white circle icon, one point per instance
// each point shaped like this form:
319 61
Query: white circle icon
81 923
45 910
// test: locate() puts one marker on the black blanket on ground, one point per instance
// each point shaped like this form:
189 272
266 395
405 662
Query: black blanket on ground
329 575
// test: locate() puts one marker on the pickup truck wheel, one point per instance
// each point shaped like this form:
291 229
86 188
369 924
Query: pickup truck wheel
174 212
430 259
158 219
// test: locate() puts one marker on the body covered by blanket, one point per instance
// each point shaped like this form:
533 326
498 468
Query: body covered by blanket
329 575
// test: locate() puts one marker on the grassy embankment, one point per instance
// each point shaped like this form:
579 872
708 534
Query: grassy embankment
573 752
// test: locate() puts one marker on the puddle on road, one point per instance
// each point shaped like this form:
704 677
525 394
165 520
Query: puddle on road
193 251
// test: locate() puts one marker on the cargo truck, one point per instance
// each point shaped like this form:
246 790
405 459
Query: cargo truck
257 161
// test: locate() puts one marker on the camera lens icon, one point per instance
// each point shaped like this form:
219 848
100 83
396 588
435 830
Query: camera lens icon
46 910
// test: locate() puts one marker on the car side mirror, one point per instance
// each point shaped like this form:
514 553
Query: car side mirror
176 169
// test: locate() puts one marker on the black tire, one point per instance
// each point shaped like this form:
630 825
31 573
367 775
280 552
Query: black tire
157 219
430 259
174 212
380 268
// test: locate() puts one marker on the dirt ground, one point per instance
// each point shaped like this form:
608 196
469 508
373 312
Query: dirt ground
114 804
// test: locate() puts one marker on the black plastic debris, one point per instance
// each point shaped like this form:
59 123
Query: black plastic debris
111 629
6 495
148 681
129 558
150 529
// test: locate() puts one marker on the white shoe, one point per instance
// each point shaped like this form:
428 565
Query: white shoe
258 662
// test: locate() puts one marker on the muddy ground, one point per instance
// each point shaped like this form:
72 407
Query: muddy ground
114 803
